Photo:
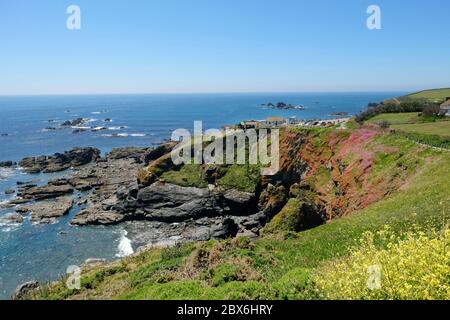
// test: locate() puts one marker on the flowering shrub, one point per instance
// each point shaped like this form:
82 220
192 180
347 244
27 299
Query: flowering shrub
413 266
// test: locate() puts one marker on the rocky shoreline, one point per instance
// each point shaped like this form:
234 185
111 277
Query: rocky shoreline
108 190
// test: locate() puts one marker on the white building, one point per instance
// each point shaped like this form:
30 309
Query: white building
445 108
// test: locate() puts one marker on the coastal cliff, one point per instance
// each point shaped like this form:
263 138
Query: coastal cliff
338 184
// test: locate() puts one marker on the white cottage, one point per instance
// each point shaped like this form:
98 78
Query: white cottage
445 108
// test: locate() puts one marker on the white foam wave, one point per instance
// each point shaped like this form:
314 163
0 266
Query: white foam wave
125 248
124 135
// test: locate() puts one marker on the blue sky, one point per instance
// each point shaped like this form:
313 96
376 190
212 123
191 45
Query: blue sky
138 46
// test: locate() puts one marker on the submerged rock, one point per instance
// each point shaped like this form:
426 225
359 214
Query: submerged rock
13 218
10 191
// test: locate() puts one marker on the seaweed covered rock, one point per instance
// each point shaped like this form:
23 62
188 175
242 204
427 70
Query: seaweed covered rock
297 215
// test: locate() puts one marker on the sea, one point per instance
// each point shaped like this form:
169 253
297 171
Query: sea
31 126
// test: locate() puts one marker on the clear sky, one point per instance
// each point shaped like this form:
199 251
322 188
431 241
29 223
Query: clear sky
149 46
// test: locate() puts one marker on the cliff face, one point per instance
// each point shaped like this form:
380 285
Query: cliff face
330 172
327 173
342 171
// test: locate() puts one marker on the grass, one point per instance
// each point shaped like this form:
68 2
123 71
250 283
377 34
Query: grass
278 265
241 177
439 128
186 176
435 95
396 118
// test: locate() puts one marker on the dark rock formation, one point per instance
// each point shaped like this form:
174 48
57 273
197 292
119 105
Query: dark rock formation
10 191
24 289
6 164
139 154
159 151
97 216
226 229
60 162
45 192
79 130
168 202
74 123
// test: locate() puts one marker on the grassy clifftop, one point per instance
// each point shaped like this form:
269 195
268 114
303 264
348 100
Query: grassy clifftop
285 264
432 95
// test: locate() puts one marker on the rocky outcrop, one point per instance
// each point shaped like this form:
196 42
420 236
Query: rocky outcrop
139 154
6 164
45 192
23 290
159 151
171 203
97 216
74 123
10 191
47 211
12 218
60 161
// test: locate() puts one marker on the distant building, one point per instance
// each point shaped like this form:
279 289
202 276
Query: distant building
252 124
275 121
445 108
292 121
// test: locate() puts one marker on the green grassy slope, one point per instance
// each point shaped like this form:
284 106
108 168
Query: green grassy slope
436 95
277 266
396 118
441 128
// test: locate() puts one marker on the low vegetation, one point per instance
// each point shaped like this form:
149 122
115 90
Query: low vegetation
413 266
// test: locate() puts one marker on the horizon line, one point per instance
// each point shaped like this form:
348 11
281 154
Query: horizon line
206 93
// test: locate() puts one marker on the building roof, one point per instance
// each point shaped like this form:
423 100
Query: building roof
446 104
276 119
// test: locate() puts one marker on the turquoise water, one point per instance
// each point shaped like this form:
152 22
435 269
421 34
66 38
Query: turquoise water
44 252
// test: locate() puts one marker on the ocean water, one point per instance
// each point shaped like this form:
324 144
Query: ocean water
43 252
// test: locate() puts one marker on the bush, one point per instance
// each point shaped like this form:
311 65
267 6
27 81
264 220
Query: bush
384 124
428 139
415 266
431 110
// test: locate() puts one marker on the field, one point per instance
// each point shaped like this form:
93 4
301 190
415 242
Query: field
437 95
440 128
412 123
396 118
